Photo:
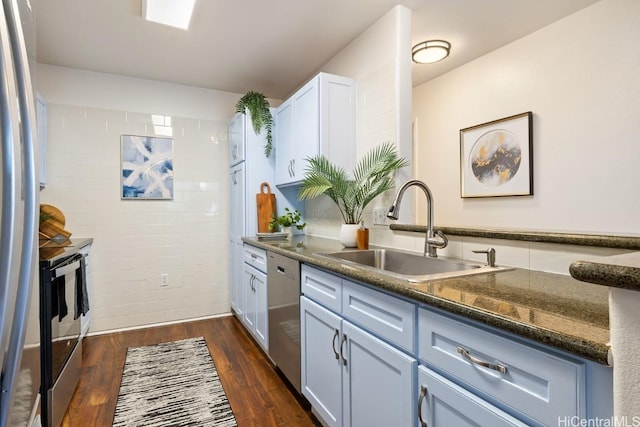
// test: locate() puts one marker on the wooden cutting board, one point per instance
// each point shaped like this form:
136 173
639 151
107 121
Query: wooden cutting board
52 228
53 213
266 202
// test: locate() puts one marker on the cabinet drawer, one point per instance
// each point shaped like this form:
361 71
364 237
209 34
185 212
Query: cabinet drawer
443 403
388 317
255 257
534 383
322 287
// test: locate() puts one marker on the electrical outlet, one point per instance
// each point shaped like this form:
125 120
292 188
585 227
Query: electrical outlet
380 216
164 279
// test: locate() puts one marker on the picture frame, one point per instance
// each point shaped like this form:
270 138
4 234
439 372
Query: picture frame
146 168
496 158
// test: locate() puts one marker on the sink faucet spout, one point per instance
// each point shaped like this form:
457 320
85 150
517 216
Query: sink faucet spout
431 242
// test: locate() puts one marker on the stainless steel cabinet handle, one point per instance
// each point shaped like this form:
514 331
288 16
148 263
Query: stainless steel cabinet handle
333 344
280 269
423 394
344 359
293 167
467 355
234 152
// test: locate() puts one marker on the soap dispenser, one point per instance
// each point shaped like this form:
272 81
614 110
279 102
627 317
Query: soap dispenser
363 237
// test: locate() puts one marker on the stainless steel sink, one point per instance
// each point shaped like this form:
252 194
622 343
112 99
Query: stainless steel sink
406 266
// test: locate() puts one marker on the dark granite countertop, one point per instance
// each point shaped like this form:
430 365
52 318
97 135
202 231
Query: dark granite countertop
618 271
581 239
552 309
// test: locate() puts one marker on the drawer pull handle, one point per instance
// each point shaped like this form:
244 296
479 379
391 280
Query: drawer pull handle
254 256
423 394
333 344
344 359
280 269
467 355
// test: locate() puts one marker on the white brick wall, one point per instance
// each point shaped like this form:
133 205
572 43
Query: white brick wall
135 240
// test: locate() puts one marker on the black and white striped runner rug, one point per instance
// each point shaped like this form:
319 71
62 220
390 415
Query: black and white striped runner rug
172 384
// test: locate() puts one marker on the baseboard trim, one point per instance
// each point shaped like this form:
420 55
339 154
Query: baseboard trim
154 325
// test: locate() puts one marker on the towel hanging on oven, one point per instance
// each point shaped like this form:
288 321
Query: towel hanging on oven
81 305
58 286
58 301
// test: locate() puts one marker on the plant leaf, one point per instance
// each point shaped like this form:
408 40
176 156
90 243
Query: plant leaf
372 176
258 106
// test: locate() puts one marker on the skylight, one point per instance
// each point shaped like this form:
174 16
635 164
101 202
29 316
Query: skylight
175 13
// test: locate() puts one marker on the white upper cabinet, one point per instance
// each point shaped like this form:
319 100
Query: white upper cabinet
236 139
318 119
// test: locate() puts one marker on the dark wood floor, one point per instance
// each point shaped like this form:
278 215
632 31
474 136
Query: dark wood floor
256 393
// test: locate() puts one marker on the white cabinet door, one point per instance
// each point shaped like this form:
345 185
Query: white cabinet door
378 381
318 119
284 141
321 362
262 319
255 309
236 277
442 403
250 298
337 124
306 119
237 139
237 201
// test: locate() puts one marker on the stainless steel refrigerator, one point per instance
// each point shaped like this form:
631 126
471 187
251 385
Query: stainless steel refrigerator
19 323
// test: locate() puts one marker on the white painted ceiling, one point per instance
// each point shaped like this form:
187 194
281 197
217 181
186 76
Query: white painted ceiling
270 46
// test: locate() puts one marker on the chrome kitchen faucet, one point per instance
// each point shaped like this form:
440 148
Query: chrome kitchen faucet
431 243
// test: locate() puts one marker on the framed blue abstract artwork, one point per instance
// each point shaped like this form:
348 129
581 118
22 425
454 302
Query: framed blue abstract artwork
147 167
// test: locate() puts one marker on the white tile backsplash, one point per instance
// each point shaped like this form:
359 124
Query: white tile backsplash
135 241
548 257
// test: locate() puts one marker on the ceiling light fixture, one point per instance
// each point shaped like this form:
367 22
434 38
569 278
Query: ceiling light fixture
175 13
430 51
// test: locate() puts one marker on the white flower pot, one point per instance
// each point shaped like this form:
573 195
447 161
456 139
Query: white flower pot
348 235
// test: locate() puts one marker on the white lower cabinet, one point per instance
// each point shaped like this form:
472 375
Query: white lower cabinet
444 403
236 278
360 352
255 316
350 376
377 382
321 331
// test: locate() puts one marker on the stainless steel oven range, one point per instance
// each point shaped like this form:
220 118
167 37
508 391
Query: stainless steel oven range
63 300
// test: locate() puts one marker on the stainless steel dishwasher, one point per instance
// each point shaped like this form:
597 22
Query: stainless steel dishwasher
283 295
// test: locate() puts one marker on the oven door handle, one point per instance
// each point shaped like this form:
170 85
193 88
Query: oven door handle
67 269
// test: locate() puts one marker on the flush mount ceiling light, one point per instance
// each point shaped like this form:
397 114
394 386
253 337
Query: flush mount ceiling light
430 51
175 13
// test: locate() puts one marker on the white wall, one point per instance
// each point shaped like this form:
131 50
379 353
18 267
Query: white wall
578 107
136 241
380 62
581 79
71 86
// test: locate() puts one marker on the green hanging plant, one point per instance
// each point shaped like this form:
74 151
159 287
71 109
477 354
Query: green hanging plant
261 117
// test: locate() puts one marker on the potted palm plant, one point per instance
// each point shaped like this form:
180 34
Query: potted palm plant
372 176
261 117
